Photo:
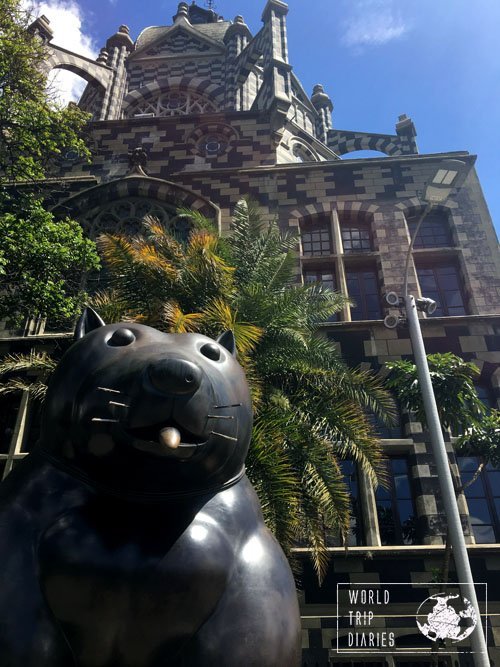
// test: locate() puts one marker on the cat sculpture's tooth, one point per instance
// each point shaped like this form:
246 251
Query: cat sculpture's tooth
170 437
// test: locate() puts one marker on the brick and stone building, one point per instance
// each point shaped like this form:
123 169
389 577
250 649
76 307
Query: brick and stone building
200 113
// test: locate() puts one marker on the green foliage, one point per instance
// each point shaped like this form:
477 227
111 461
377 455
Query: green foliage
453 385
33 129
41 262
40 259
482 439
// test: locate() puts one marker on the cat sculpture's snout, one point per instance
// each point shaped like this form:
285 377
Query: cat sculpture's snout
175 376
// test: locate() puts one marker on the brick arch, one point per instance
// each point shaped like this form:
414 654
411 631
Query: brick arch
205 87
342 207
383 144
138 186
88 69
414 204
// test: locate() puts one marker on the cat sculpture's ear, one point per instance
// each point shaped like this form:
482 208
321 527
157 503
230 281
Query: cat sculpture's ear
88 321
227 340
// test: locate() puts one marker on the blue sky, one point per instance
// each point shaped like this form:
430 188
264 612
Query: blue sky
436 60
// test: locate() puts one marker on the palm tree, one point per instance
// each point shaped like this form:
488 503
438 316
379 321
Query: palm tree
310 409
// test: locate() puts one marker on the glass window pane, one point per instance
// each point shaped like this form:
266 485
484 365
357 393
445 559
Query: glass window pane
494 481
497 507
475 490
405 509
382 494
448 282
402 486
467 463
478 511
399 465
484 534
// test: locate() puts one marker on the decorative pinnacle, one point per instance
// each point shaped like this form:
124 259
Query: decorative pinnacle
210 4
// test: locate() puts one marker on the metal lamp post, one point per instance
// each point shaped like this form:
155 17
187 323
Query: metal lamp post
450 175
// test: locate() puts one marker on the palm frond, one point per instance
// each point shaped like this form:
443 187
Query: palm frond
273 477
33 363
110 306
247 335
179 322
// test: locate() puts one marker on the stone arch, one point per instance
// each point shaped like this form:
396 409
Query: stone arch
203 87
348 207
138 187
387 144
88 69
413 204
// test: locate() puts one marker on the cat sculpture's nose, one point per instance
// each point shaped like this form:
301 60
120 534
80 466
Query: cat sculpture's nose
175 376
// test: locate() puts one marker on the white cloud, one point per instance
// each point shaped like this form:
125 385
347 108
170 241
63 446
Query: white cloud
372 23
66 21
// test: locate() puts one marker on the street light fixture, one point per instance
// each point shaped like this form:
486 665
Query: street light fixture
450 175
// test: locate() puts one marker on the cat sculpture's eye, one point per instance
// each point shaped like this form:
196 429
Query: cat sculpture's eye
121 338
211 351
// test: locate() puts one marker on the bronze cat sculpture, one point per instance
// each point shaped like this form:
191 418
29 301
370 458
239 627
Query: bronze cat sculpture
131 536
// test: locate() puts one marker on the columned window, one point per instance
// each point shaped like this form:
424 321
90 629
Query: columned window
343 244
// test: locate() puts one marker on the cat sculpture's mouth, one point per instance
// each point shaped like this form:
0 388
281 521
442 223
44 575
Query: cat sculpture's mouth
166 439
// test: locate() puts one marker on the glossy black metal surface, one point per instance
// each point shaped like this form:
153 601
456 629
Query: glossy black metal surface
131 537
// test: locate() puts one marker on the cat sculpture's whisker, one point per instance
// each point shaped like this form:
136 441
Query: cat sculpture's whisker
234 405
112 391
219 417
109 421
120 405
221 435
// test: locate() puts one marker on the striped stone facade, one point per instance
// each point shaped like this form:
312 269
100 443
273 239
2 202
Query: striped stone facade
259 134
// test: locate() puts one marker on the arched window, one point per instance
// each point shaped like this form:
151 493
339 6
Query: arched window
434 231
125 216
171 102
302 153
